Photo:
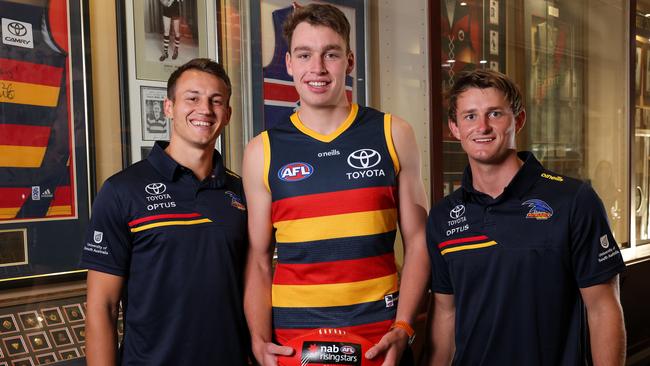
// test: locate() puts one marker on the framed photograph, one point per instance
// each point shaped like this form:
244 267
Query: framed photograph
155 37
45 126
274 96
155 126
167 34
494 12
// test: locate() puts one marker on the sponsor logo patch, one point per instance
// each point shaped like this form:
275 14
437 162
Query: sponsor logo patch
539 210
330 353
457 212
15 33
98 236
556 178
364 159
155 188
36 193
294 172
604 242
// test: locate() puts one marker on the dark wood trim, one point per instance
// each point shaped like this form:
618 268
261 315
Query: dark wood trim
435 91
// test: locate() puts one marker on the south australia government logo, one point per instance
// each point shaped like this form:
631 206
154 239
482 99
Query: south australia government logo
294 172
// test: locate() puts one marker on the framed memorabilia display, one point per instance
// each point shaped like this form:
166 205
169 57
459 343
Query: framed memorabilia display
155 37
273 94
45 179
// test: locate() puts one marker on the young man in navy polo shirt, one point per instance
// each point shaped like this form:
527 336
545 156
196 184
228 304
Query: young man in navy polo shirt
523 259
168 237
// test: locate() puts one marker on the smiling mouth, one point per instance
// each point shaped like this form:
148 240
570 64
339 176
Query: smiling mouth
317 84
485 139
201 123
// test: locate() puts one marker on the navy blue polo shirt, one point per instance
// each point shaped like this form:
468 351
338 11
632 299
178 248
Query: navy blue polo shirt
180 245
515 265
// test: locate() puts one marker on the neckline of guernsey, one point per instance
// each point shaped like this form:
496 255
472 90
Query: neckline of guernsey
295 119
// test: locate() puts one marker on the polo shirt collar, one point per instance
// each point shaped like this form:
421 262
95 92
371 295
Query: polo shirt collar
521 183
172 170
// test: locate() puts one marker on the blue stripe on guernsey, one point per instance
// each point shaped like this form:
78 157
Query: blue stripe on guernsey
336 249
334 316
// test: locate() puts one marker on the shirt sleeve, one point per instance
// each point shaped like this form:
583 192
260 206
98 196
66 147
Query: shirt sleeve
595 255
440 279
107 246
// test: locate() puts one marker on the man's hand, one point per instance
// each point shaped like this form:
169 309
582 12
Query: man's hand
391 345
267 353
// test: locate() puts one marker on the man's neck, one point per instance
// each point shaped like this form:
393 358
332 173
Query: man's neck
324 120
493 179
199 161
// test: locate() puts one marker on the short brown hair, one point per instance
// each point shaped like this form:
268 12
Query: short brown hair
484 79
201 64
318 14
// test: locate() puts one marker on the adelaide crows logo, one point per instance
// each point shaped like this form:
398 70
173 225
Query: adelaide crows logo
539 210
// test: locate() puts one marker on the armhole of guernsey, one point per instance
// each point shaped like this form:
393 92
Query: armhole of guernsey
267 159
388 119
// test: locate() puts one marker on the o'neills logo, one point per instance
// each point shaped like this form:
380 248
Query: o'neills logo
331 353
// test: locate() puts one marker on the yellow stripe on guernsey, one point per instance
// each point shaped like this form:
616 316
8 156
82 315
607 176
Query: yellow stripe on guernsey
339 294
388 132
467 247
168 223
21 156
32 94
59 211
266 144
336 226
9 212
295 119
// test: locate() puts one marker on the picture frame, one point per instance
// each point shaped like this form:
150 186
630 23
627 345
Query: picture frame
273 95
46 179
142 31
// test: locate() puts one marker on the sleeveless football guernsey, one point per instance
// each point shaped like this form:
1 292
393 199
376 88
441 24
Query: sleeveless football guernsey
334 211
35 141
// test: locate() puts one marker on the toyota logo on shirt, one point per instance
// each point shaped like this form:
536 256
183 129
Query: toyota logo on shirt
364 159
17 29
155 188
457 212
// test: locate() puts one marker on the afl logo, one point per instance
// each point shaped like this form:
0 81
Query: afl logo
294 172
17 29
347 349
457 212
155 188
364 159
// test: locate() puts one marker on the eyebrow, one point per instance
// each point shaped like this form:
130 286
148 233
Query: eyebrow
328 47
192 91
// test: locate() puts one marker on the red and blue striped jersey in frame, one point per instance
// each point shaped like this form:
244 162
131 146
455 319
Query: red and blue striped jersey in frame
35 132
334 211
280 96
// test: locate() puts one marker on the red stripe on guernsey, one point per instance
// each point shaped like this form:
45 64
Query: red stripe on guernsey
343 271
31 73
62 196
160 217
14 197
373 331
462 240
334 203
282 92
24 135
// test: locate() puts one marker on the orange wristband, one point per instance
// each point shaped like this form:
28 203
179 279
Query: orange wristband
405 326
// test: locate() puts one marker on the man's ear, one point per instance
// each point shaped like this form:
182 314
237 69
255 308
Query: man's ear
453 127
287 62
169 108
350 67
520 120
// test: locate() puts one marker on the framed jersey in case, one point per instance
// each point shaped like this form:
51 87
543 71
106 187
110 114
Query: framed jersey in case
273 94
155 37
45 126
